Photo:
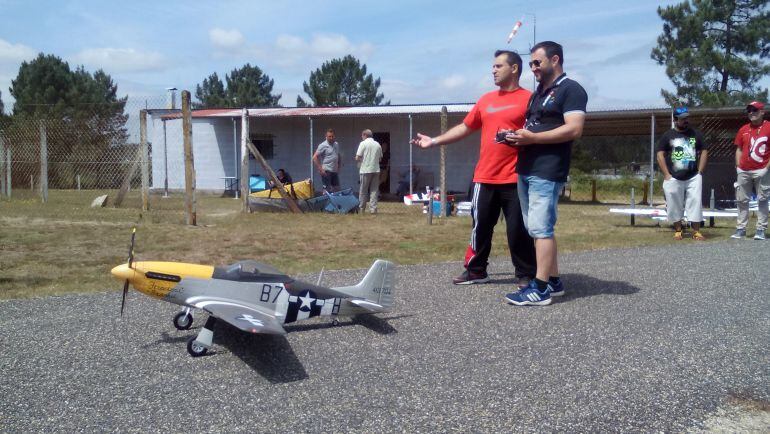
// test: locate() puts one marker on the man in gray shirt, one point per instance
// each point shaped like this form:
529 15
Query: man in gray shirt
327 160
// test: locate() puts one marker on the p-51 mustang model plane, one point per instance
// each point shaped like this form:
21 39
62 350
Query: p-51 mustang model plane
251 296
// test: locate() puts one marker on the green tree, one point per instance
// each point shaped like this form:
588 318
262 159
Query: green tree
250 87
211 93
83 115
341 82
247 86
2 106
714 50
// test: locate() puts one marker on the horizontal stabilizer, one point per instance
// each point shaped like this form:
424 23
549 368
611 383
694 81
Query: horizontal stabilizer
368 305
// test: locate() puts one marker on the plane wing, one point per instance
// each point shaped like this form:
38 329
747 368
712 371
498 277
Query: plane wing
247 318
661 213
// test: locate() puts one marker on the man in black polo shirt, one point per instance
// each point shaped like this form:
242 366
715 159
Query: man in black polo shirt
555 118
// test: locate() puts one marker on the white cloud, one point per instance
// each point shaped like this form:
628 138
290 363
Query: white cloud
226 39
15 52
121 59
453 81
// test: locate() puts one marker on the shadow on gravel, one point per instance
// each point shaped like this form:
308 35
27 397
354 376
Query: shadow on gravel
271 356
581 285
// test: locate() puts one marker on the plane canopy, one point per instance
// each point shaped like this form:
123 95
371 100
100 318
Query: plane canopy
250 271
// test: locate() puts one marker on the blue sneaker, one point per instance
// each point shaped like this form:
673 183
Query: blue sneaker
529 296
557 290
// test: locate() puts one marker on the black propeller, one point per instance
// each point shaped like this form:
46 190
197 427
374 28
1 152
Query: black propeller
130 261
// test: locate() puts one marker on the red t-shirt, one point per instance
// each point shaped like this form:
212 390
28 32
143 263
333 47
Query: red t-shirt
497 110
753 142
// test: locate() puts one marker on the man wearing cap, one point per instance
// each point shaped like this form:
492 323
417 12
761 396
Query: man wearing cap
682 155
752 157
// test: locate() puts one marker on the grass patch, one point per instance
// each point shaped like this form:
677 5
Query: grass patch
66 246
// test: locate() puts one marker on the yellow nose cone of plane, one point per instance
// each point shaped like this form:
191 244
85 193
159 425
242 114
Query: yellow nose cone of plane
122 272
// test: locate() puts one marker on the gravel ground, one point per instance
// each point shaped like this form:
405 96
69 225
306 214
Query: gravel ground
650 339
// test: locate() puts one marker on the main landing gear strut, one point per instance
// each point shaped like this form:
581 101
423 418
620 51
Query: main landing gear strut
199 345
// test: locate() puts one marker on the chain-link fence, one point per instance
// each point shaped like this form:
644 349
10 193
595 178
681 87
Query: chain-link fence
98 147
44 149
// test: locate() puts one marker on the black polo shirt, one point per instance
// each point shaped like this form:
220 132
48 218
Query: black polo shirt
546 111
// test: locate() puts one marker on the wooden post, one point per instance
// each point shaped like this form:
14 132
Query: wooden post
43 163
8 177
144 160
3 190
644 190
126 185
245 160
593 190
271 175
430 207
189 166
442 168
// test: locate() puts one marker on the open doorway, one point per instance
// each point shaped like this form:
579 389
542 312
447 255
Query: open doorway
383 138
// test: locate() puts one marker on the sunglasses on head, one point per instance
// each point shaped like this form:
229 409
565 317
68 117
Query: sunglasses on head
536 63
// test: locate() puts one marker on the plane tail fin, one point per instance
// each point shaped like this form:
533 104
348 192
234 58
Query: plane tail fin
375 291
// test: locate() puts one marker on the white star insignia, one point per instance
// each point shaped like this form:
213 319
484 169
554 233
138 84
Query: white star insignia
306 300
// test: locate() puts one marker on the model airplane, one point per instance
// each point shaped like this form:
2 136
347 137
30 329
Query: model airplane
660 213
251 296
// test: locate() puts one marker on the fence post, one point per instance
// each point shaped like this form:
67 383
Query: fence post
78 180
245 160
593 191
633 205
711 205
442 168
652 157
430 207
2 166
43 163
411 181
189 166
144 161
8 177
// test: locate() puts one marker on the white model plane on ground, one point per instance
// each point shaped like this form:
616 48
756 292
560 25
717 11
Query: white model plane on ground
251 296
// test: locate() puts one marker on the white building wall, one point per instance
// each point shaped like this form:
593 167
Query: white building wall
217 154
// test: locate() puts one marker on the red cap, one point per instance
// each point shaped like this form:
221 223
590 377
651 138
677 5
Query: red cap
756 104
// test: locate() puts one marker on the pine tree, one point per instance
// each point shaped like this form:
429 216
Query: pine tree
341 82
714 50
250 87
211 93
83 115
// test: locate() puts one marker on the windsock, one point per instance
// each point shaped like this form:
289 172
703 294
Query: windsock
515 30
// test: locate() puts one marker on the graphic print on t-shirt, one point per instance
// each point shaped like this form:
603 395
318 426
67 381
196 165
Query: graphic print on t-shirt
758 149
683 153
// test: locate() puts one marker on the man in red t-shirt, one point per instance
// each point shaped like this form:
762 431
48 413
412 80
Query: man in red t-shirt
494 180
752 157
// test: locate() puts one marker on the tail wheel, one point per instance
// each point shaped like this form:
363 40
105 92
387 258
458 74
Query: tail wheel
195 349
183 320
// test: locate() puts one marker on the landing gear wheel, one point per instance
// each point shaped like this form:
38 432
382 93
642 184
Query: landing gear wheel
195 349
183 320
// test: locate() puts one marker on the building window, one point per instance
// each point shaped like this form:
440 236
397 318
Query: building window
264 144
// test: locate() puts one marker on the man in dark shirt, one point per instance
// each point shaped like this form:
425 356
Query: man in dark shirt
682 155
555 118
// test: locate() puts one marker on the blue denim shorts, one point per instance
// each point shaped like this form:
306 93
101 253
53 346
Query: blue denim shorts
538 199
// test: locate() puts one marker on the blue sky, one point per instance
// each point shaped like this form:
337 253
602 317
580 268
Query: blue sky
423 51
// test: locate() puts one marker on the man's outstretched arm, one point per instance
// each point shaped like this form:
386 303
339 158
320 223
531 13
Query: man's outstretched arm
454 134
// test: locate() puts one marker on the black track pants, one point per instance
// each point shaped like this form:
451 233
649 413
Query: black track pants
487 201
